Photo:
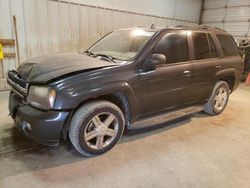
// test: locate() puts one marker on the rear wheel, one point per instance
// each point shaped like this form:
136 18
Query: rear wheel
218 100
96 127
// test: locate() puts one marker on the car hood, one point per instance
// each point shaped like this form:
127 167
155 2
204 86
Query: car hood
45 68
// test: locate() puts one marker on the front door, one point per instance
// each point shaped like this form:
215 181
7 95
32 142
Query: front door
168 85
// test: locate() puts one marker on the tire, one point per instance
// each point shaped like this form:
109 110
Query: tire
92 130
212 107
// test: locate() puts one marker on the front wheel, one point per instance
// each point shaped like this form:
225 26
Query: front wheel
218 100
96 127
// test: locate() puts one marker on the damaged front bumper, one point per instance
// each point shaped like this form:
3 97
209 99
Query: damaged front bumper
42 126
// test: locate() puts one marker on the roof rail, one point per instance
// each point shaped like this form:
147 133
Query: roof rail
211 27
199 27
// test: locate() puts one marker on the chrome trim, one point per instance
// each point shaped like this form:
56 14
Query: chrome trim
17 92
17 87
147 72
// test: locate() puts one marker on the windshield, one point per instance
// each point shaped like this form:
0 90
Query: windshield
123 44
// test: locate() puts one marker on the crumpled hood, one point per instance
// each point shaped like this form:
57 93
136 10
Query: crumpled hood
45 68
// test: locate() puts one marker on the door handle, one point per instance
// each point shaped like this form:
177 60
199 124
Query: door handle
187 73
218 67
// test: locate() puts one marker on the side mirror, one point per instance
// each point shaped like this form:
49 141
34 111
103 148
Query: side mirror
157 59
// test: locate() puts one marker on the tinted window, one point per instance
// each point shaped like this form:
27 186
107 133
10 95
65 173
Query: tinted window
228 45
174 46
213 51
201 47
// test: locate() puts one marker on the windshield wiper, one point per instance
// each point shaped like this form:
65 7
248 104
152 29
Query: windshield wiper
106 56
89 53
110 58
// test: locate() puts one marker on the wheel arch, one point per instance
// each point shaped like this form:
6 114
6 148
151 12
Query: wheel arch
229 76
122 97
118 98
230 81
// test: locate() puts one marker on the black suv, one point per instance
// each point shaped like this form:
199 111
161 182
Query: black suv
124 78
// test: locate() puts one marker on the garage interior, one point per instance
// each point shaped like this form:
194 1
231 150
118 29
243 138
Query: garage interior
195 151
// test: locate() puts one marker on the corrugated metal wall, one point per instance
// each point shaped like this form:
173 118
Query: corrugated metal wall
230 15
50 26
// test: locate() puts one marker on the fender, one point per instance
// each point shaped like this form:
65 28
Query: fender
79 96
225 73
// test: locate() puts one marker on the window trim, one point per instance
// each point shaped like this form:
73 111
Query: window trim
174 32
209 45
193 49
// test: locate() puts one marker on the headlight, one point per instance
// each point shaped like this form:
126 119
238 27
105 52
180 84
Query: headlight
41 97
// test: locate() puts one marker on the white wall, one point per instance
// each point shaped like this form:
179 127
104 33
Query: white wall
230 15
50 26
180 9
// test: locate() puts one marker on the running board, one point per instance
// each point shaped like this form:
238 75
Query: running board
159 119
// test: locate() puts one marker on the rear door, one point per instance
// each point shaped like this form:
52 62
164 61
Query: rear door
205 64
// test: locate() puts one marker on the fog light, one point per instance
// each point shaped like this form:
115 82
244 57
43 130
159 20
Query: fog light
26 126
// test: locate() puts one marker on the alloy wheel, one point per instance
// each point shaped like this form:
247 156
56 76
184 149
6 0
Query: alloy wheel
101 130
220 99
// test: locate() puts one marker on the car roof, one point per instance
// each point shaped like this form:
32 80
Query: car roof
202 28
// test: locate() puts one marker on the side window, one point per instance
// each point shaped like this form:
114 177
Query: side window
213 50
228 45
201 47
174 46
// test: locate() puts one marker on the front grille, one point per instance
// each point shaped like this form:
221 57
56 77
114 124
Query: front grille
18 84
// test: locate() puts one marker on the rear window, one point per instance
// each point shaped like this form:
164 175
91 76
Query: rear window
228 45
201 47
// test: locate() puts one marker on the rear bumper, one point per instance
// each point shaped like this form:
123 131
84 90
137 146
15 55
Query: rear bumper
236 84
42 126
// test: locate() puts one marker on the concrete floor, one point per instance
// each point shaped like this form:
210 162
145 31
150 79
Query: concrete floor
201 151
